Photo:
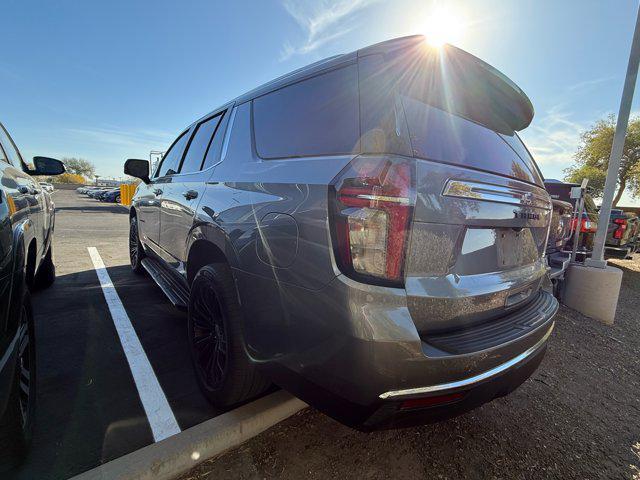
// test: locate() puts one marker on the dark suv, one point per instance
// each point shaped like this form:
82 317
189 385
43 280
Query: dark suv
26 260
367 232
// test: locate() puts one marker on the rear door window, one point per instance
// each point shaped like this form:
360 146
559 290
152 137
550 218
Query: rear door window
445 137
200 143
318 116
171 161
215 146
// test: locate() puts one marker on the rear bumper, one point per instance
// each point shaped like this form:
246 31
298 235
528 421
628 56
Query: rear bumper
473 392
469 382
353 351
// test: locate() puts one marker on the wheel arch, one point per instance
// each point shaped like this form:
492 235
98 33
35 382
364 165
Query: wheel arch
207 244
24 250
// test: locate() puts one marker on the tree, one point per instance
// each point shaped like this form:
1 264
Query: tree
592 158
79 166
68 178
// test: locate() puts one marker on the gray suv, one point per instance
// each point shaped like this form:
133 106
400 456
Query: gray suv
367 232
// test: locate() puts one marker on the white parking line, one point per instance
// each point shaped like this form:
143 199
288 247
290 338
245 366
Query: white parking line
163 422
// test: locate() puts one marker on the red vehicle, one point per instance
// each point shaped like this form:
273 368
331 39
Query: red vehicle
588 222
622 234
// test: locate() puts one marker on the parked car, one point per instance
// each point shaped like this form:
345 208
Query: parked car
26 231
47 187
112 196
365 232
622 234
588 224
103 194
93 193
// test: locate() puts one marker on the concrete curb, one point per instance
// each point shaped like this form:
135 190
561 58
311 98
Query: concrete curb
179 453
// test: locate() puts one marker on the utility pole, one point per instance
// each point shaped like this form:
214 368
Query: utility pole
597 257
593 288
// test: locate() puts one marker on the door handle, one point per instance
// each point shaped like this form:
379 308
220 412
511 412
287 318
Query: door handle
157 192
190 194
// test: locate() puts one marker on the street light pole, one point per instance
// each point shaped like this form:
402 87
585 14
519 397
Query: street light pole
597 257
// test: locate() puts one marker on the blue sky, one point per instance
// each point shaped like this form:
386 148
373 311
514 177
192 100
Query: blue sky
111 80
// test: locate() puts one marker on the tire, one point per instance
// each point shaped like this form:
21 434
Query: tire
47 272
223 369
136 252
16 425
118 199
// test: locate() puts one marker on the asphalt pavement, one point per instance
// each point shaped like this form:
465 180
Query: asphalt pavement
89 408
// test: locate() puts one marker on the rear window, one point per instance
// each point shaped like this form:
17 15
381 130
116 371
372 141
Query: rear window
442 136
318 116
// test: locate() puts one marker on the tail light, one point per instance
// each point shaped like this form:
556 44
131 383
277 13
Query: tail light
622 226
372 202
586 226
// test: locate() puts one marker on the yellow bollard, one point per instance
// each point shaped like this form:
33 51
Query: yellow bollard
126 193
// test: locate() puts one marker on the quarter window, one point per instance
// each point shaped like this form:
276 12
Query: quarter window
318 116
200 143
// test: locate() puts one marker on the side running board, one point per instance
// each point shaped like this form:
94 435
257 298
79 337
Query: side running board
177 294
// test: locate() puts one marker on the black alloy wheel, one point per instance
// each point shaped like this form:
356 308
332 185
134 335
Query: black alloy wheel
136 253
224 371
25 366
209 338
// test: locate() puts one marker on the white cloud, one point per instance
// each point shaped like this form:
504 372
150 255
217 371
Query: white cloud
587 85
122 137
553 139
322 21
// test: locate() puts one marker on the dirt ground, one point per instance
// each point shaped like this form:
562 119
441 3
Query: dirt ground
578 417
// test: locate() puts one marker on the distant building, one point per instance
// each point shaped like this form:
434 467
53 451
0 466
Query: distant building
106 182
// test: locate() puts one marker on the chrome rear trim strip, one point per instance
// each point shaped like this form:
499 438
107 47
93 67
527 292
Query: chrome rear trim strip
496 193
470 381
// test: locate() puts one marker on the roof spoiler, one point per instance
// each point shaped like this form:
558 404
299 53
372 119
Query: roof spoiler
479 91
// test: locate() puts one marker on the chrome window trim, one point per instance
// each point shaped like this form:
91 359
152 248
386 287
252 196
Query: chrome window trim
470 381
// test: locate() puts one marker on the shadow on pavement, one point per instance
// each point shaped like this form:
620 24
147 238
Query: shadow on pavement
98 208
88 409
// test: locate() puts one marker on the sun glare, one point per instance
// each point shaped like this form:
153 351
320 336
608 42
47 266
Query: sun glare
442 26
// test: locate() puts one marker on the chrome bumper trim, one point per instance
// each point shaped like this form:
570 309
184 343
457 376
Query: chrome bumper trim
470 381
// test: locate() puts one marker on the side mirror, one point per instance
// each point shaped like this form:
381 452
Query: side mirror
46 166
137 168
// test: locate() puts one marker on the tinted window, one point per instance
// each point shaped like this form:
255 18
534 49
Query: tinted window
318 116
171 160
11 153
438 135
200 142
213 152
516 143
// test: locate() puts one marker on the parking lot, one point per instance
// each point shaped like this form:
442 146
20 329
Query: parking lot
89 410
577 417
